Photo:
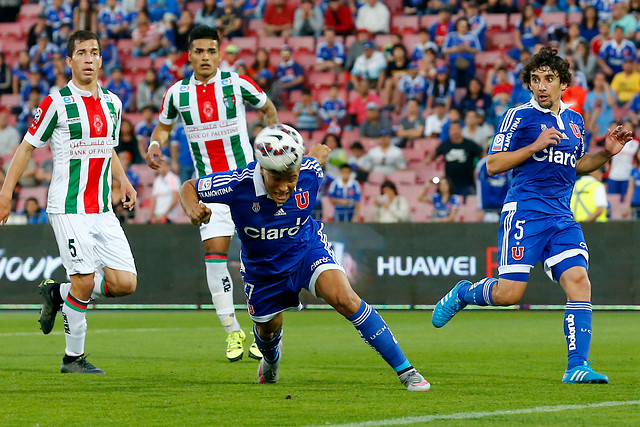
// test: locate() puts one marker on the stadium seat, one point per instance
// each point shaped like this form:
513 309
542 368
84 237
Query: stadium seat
271 43
29 11
423 212
405 24
254 28
366 212
325 79
404 177
574 18
467 212
350 136
369 191
134 118
26 25
302 43
617 208
138 64
554 18
146 174
414 154
194 6
394 6
287 117
327 209
125 46
40 193
11 31
383 40
409 41
500 41
426 144
369 143
376 178
246 44
10 100
159 62
306 59
13 46
497 21
348 41
487 59
428 20
41 155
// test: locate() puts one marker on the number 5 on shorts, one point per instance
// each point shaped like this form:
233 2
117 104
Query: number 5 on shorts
72 249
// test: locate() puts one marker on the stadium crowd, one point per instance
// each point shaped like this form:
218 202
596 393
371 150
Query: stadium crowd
407 94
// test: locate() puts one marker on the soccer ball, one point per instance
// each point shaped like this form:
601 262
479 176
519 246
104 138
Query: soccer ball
279 148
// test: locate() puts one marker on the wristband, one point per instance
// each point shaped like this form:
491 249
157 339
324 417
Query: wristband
154 142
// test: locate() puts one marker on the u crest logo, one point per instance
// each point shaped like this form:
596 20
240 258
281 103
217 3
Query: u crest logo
302 200
517 252
576 130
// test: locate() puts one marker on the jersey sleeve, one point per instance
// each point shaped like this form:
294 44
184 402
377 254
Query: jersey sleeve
509 124
310 163
251 92
169 111
218 187
44 122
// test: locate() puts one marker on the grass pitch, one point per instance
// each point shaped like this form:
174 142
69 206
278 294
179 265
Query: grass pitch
168 368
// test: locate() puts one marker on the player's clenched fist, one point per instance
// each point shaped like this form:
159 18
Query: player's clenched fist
199 214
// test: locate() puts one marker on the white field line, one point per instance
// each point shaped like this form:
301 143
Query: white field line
472 415
97 331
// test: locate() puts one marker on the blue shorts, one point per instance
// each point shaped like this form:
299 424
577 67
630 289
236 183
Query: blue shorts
617 187
525 237
272 295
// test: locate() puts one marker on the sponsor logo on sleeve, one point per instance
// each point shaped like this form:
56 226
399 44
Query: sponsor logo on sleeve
204 184
498 142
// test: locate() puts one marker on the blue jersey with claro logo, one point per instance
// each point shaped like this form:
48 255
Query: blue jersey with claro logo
543 182
272 236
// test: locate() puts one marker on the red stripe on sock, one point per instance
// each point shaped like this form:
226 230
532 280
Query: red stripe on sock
215 256
76 303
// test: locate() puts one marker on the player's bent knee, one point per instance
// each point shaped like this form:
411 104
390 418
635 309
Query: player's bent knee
125 284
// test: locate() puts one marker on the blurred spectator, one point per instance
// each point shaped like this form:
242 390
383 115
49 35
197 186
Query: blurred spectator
164 197
397 67
589 24
598 108
85 16
601 38
44 173
60 82
445 204
369 65
149 38
572 40
585 62
33 212
501 103
338 16
206 15
28 110
460 156
425 43
308 20
330 54
289 75
491 191
6 81
575 96
181 30
375 123
359 161
358 105
229 20
262 71
28 177
626 83
42 52
589 199
441 28
278 19
390 207
529 29
306 112
459 48
122 88
621 18
56 67
9 136
453 115
57 11
332 110
145 127
441 89
411 86
337 157
615 52
414 7
128 141
411 125
633 191
35 81
110 56
356 49
634 110
502 83
119 210
230 61
621 165
61 35
475 98
477 22
385 157
181 162
40 26
435 121
498 6
520 93
374 16
113 21
253 9
475 129
158 9
345 195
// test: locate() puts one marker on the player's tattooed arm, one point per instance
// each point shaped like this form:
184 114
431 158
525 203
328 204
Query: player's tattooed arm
270 112
320 152
197 212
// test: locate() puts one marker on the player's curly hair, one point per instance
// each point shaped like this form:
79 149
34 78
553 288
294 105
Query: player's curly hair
547 57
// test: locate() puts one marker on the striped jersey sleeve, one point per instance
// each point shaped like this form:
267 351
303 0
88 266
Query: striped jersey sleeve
169 110
44 122
251 92
311 164
509 124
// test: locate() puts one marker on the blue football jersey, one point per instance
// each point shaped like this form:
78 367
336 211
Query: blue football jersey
272 236
544 181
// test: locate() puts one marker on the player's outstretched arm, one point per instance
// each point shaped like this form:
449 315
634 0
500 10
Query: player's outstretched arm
154 153
16 168
197 212
507 160
614 142
270 112
320 152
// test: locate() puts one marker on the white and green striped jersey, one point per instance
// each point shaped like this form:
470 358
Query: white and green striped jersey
82 132
214 118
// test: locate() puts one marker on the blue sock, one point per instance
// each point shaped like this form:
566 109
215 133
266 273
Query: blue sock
269 349
577 331
478 293
376 333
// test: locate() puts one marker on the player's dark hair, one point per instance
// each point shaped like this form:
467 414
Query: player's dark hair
547 57
79 37
200 32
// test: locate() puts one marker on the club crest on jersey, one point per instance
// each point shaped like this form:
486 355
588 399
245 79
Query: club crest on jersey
97 123
256 207
207 109
204 184
517 252
302 200
229 101
575 129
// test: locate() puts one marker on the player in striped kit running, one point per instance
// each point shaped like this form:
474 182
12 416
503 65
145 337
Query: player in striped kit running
82 123
211 105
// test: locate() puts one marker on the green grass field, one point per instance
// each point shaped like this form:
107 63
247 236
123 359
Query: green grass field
168 368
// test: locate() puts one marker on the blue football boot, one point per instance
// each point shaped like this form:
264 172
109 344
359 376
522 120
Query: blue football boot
448 306
584 374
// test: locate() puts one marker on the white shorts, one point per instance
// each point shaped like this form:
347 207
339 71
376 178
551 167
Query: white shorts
220 223
88 242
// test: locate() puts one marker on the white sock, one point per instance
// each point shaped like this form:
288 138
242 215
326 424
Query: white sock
221 288
64 290
98 289
74 313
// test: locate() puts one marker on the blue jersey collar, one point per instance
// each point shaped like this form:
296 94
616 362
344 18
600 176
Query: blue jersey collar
563 108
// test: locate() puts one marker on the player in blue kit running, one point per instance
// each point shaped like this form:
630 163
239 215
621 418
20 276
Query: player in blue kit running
284 249
543 142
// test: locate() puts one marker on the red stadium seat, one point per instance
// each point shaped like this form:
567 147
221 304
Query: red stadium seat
138 64
403 177
10 100
382 40
306 59
497 21
29 11
487 59
405 24
41 155
554 18
11 31
287 117
500 40
327 209
13 46
468 211
271 43
618 208
40 194
376 178
26 24
348 41
254 28
428 20
246 44
125 46
194 6
574 18
325 79
306 43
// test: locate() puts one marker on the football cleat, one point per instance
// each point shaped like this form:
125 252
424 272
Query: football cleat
414 381
49 307
235 345
254 351
80 366
584 374
268 372
448 306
